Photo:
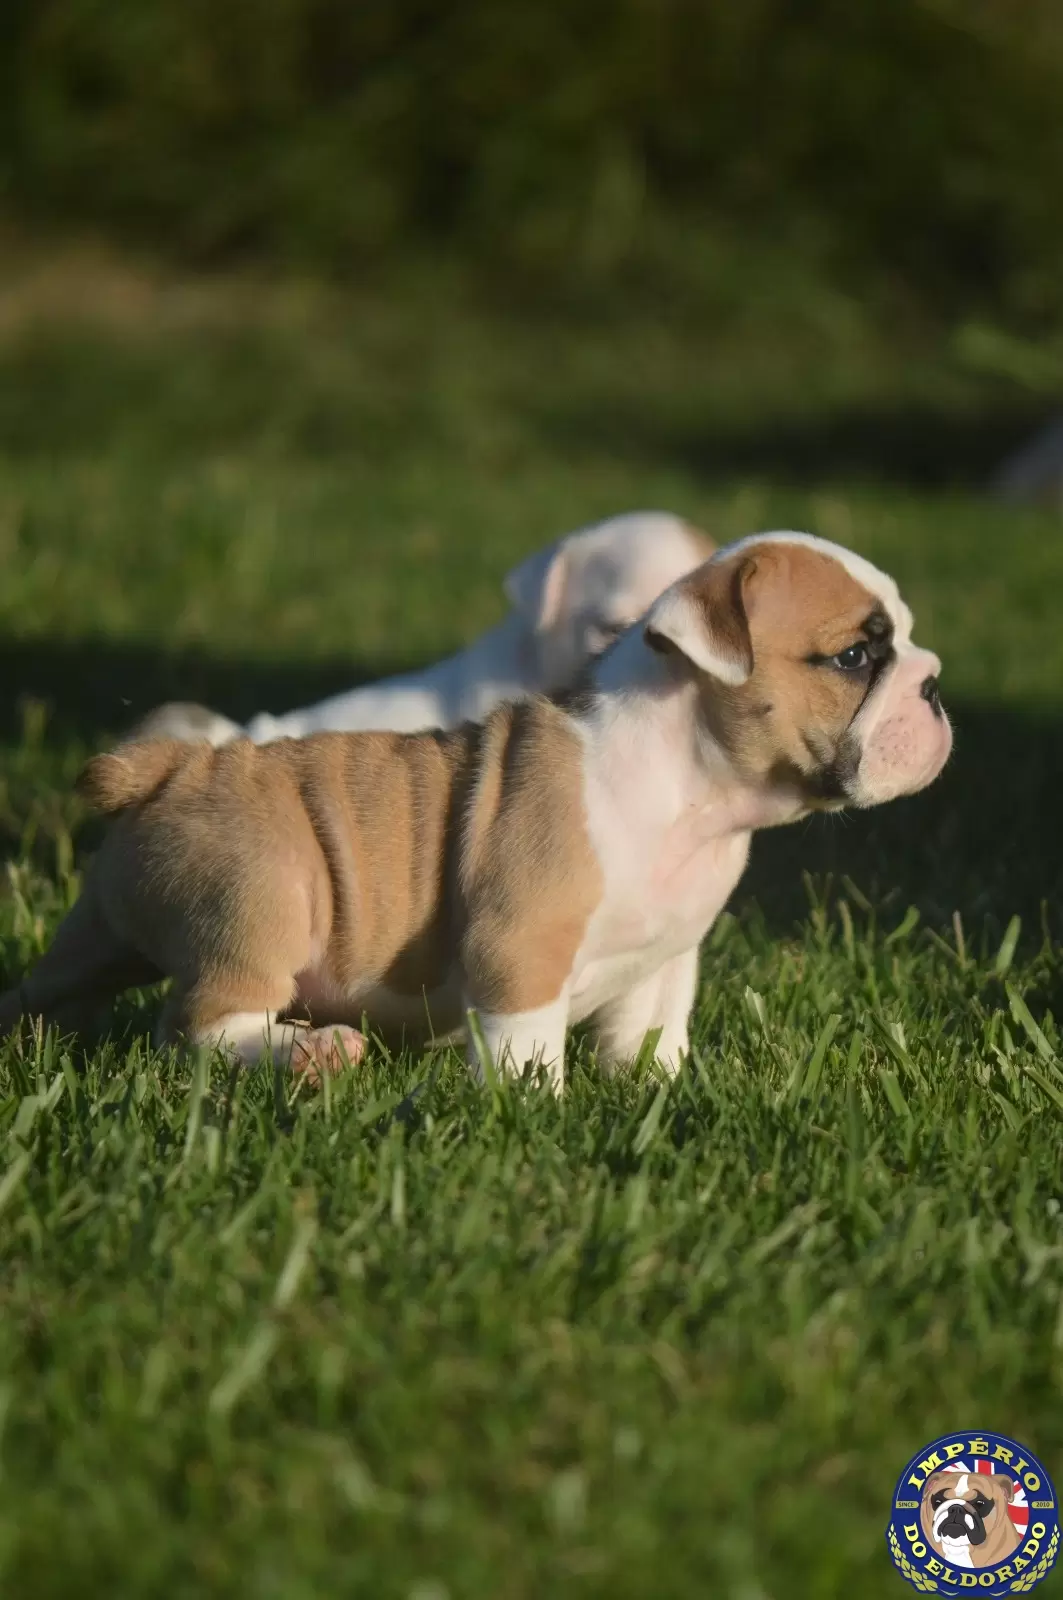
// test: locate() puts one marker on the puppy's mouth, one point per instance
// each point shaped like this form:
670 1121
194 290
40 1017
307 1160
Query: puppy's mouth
828 783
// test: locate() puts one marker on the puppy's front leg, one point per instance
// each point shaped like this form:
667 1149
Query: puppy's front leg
664 1001
515 1038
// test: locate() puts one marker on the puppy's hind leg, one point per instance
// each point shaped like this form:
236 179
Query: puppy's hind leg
243 1020
235 981
85 966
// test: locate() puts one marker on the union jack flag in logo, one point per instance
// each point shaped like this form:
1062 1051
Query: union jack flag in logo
1018 1510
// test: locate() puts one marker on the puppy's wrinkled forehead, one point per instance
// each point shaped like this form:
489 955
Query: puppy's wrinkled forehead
812 596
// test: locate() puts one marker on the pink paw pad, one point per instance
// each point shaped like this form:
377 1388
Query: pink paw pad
324 1049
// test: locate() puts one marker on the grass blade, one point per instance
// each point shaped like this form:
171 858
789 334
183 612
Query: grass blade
12 1178
906 926
894 1093
803 1084
485 1057
1046 1085
248 1367
650 1122
1006 953
1021 1012
296 1261
196 1095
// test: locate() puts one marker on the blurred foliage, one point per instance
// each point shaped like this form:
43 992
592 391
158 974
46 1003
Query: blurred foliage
553 138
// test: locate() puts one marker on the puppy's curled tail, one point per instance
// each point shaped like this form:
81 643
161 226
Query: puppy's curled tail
133 773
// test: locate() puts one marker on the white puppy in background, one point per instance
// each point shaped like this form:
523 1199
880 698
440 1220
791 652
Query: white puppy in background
569 602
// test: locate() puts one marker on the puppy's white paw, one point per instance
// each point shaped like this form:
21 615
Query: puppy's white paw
322 1050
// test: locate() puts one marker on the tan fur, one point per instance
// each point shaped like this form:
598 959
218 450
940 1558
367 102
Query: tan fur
306 874
112 781
1002 1537
776 606
531 911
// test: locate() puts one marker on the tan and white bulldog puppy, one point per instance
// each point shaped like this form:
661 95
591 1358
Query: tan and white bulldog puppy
568 603
965 1517
549 865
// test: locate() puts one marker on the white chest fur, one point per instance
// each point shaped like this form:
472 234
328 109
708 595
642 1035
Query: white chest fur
631 937
671 847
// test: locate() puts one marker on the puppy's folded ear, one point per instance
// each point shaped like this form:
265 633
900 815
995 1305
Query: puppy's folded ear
536 588
1005 1485
703 617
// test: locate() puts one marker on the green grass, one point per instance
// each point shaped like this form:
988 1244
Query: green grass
407 1337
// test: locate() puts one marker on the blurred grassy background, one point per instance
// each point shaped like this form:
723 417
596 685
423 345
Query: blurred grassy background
827 237
915 142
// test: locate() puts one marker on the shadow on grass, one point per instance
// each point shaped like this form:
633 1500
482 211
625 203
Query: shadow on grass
986 839
922 446
66 392
96 687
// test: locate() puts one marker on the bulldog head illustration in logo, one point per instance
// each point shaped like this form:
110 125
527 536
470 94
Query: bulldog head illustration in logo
974 1513
967 1515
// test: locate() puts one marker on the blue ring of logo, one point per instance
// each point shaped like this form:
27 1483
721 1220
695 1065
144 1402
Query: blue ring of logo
969 1537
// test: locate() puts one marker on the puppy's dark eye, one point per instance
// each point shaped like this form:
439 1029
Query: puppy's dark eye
937 1498
982 1503
854 659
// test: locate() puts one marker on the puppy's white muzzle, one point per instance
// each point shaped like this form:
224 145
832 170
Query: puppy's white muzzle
904 734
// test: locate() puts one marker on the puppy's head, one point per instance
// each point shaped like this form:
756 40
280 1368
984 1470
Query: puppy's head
580 594
808 677
960 1508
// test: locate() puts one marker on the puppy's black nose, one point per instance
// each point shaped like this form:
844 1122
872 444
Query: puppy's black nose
929 691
